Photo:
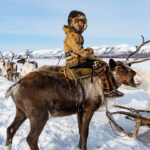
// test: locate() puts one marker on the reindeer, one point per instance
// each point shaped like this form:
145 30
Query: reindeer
11 68
145 74
28 66
2 65
8 68
45 92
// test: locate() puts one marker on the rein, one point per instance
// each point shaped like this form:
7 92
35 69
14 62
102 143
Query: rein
60 59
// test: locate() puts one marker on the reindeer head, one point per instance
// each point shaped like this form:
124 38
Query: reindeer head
2 63
21 60
123 74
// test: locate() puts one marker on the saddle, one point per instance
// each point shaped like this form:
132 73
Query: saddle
72 74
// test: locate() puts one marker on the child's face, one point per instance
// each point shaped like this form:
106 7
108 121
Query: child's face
80 24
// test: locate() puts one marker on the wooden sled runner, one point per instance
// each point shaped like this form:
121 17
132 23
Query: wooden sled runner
141 117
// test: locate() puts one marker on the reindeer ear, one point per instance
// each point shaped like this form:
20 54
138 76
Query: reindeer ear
112 64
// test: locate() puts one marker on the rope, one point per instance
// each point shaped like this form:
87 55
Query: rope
92 76
60 59
66 77
73 76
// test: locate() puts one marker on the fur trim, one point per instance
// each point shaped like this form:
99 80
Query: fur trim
73 18
66 29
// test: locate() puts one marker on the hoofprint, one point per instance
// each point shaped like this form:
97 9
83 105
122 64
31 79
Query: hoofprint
66 133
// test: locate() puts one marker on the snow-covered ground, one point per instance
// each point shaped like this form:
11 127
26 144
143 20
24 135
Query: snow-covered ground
62 133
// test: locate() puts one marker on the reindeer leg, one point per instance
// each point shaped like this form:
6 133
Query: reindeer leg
11 76
137 126
79 116
15 77
37 122
11 130
148 107
8 78
87 115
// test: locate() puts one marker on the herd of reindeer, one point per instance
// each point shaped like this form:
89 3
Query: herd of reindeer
46 93
9 68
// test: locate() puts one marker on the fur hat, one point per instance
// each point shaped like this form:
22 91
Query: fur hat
73 18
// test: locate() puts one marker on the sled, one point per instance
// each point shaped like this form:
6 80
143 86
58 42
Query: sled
140 117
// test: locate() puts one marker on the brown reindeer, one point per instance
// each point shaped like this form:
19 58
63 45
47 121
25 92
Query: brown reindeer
46 91
11 68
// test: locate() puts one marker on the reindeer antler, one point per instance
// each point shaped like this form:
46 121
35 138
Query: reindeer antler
28 52
12 57
8 59
2 56
19 57
138 47
138 61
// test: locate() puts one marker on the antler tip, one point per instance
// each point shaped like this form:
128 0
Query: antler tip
142 38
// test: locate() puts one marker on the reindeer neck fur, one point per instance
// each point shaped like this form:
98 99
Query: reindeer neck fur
92 88
141 71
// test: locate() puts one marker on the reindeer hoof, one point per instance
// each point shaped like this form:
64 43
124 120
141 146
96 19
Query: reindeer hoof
8 147
79 146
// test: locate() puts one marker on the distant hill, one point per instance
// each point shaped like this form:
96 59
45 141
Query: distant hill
106 51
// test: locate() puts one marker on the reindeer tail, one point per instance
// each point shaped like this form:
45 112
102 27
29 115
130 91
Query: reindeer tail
10 90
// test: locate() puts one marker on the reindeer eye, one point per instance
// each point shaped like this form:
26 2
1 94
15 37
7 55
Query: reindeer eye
120 68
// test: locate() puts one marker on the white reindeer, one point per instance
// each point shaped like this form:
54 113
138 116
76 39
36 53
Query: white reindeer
2 66
28 66
145 85
144 73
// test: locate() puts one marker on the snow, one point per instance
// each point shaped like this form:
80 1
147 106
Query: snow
106 50
62 133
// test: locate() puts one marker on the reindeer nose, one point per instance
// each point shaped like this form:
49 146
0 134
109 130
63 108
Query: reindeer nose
138 79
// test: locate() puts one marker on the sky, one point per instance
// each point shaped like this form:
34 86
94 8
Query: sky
37 24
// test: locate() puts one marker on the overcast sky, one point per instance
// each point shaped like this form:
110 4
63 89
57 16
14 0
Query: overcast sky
37 24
